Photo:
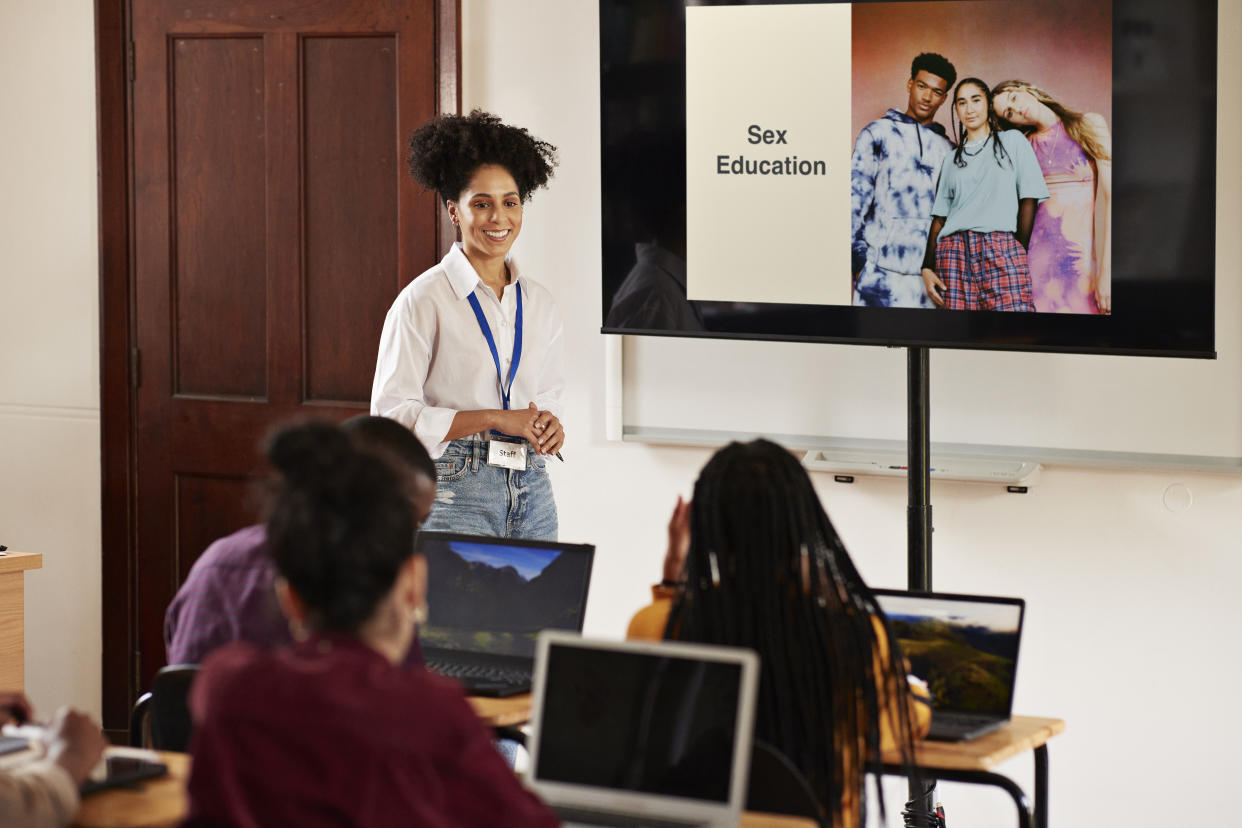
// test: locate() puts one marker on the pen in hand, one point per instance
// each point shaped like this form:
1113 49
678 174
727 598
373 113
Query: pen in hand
539 427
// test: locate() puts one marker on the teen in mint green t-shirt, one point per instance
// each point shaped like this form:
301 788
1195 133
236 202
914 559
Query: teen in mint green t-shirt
986 196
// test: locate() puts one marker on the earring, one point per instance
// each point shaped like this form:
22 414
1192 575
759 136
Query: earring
297 630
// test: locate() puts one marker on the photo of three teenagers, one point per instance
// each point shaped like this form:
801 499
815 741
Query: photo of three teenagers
981 171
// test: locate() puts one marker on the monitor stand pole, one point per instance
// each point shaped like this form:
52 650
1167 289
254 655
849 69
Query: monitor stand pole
918 467
921 809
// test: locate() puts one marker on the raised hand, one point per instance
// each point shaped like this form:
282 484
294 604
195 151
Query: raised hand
678 542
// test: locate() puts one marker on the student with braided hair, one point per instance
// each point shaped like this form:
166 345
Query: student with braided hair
755 562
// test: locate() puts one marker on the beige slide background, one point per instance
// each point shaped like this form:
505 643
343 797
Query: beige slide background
768 238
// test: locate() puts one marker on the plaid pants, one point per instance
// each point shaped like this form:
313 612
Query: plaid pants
984 271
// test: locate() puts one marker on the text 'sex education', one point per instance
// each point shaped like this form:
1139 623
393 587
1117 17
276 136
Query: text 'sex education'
789 165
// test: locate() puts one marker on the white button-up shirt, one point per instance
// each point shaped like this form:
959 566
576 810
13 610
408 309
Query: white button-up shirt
434 361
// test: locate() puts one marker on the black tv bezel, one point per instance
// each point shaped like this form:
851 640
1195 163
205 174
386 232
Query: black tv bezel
1164 316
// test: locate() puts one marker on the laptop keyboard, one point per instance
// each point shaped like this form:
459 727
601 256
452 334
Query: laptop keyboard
491 677
572 817
956 726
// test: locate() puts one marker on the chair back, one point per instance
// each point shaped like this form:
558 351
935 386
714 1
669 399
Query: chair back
165 711
777 787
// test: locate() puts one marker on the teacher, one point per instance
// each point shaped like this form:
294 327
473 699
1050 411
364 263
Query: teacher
471 355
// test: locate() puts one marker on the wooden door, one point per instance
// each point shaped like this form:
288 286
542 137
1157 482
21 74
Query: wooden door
272 226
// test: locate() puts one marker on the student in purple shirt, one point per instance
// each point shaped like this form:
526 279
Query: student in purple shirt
332 731
228 595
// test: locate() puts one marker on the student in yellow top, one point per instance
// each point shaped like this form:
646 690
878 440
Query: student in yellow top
755 562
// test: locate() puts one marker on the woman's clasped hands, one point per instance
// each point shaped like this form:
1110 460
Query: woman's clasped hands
542 429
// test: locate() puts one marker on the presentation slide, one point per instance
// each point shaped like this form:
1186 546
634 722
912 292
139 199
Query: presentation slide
827 129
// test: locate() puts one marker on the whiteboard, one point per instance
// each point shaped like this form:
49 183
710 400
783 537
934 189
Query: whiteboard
1049 406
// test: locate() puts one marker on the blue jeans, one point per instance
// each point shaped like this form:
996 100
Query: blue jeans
477 499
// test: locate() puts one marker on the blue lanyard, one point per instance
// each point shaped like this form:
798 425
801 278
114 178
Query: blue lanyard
505 390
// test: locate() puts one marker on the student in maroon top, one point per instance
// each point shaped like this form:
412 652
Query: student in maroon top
332 731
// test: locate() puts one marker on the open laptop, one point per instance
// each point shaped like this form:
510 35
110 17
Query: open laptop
489 597
966 648
641 733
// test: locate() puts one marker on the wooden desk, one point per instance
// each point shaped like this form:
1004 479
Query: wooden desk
753 819
974 761
161 803
971 761
510 712
13 566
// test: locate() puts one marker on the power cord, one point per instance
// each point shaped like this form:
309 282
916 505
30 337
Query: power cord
917 818
924 811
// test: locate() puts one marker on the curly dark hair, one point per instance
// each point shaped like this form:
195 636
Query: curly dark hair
938 65
445 152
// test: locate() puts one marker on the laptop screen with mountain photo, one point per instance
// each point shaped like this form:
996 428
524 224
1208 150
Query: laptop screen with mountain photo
966 648
487 600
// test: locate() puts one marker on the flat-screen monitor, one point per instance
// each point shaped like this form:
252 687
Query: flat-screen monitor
773 170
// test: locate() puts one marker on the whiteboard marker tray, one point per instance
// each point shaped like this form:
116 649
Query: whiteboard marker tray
965 467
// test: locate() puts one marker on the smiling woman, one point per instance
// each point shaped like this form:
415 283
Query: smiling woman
470 357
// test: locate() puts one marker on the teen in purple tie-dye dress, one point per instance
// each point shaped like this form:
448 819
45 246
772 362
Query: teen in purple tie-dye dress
1069 252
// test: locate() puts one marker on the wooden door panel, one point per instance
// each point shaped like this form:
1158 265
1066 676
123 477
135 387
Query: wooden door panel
349 120
219 438
273 224
217 196
181 361
209 507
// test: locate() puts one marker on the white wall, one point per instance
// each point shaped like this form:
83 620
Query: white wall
1130 620
49 339
1128 598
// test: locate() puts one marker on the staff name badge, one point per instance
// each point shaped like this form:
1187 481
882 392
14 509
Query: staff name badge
506 454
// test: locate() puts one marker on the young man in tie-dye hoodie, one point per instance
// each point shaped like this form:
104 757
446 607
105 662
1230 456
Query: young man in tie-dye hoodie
893 186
